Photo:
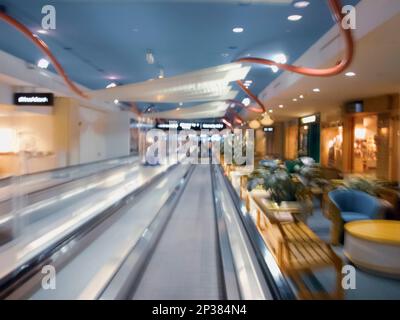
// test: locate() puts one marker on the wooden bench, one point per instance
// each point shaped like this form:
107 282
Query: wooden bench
296 248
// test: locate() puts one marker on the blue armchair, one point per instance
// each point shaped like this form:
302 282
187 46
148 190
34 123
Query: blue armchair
350 205
355 205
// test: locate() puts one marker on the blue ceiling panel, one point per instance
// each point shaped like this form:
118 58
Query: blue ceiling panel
98 39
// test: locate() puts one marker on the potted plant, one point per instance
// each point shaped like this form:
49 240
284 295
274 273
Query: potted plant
282 191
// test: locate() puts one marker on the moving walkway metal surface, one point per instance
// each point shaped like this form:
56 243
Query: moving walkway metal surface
185 263
179 237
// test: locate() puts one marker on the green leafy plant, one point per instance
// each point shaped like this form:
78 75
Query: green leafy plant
367 185
278 182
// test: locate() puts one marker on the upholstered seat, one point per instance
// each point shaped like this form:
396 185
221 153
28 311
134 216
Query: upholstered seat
352 205
354 216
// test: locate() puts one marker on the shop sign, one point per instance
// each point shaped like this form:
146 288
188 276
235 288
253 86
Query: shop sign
187 125
309 119
33 99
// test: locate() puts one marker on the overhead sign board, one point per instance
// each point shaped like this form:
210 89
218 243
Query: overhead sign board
187 125
33 99
310 119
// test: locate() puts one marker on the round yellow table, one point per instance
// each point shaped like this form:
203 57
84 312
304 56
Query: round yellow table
374 245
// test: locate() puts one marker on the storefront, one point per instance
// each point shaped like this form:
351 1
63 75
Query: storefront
27 141
332 145
372 137
364 139
309 137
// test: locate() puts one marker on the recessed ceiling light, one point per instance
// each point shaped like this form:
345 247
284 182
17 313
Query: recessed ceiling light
161 74
246 101
279 58
316 90
43 63
177 109
270 111
294 100
281 106
301 96
295 17
116 101
41 31
111 85
301 4
238 30
350 74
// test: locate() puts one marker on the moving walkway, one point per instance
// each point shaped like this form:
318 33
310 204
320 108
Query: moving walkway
181 234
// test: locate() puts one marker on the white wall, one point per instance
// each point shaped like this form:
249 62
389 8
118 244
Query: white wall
92 135
118 134
6 94
103 135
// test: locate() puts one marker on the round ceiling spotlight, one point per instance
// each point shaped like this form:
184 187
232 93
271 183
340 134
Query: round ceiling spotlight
246 101
281 106
301 4
350 74
295 17
279 58
238 30
43 64
111 85
317 90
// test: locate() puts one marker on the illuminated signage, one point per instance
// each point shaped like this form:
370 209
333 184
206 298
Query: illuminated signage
268 129
167 126
33 99
187 125
309 119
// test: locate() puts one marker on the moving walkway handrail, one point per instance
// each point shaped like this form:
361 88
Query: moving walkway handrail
5 182
25 270
276 281
81 165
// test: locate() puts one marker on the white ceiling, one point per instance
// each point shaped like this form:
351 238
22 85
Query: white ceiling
376 63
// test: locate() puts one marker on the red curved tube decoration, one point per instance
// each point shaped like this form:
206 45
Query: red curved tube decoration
335 6
44 48
240 104
238 119
252 96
